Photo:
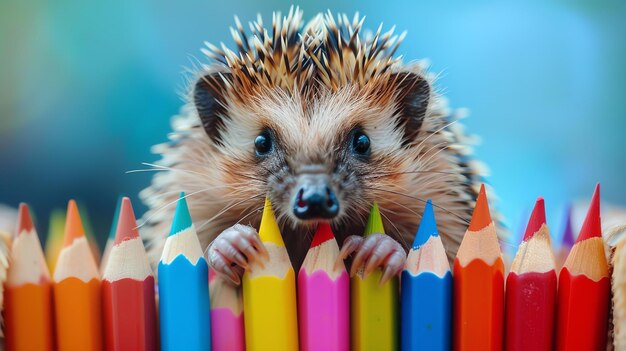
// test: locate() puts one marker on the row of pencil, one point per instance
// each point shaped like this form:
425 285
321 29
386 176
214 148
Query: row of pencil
438 308
79 308
466 308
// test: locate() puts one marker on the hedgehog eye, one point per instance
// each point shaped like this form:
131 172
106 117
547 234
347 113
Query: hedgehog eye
361 144
263 143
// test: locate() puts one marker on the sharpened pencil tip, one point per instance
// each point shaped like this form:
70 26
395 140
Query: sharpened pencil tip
481 217
24 220
126 223
537 219
323 233
268 230
182 217
427 227
73 224
567 240
116 216
592 225
374 222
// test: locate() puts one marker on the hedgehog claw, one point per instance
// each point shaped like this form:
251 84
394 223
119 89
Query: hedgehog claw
233 251
374 251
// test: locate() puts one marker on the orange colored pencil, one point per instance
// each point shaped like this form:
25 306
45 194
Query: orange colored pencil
583 297
479 284
77 290
28 314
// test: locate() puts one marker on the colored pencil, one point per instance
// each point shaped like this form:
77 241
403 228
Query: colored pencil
5 246
531 289
183 287
426 314
374 307
54 240
89 233
111 238
619 292
128 302
583 297
567 240
76 290
28 314
269 293
323 296
227 330
478 284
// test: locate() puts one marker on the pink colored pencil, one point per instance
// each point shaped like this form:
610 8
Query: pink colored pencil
323 296
227 331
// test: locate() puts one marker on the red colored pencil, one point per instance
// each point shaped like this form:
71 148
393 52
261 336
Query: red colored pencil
531 289
583 298
129 307
478 282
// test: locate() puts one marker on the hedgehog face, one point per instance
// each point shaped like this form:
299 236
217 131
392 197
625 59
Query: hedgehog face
317 154
311 114
315 113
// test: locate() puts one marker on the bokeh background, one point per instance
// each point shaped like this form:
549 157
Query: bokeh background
87 87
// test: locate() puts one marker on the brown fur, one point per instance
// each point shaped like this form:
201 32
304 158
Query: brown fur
311 84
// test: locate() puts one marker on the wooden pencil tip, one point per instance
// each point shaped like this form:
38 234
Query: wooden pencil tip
537 219
126 223
182 217
116 216
24 221
374 222
567 240
268 229
481 217
592 225
73 224
323 233
427 227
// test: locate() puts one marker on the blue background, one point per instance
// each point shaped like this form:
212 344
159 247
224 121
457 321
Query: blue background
88 87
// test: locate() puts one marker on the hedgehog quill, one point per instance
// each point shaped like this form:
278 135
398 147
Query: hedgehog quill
325 119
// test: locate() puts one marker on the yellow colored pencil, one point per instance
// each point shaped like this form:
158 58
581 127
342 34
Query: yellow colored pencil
54 241
269 294
374 307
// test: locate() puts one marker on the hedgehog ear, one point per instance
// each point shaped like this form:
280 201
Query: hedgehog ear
413 94
208 98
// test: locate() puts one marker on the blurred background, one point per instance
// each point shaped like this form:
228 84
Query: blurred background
87 88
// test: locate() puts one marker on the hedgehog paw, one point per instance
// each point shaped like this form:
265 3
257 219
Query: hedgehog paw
232 251
374 251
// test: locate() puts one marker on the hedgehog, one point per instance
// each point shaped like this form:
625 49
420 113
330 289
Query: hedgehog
324 119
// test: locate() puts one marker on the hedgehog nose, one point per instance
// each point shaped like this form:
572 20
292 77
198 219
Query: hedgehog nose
315 199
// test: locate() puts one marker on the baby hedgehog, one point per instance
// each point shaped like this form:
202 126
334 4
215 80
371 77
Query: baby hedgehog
325 120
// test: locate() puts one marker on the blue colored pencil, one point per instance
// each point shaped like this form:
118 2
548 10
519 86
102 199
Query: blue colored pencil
184 287
426 290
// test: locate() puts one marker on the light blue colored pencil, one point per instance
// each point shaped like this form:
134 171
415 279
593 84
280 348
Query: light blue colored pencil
426 313
111 237
184 288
